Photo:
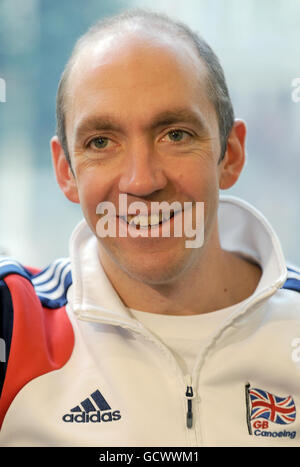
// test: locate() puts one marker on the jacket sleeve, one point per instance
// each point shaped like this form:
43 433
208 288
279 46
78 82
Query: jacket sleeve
36 339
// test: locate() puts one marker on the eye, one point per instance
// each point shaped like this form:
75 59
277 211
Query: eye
176 136
101 142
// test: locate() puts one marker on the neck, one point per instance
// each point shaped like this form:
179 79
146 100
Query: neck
219 279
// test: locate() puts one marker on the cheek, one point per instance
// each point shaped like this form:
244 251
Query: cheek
198 180
93 188
200 184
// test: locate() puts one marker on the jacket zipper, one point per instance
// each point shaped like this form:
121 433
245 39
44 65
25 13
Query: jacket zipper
189 392
189 414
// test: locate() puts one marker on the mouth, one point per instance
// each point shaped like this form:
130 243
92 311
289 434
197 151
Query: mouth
141 221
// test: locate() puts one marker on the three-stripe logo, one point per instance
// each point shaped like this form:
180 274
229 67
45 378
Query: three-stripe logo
93 409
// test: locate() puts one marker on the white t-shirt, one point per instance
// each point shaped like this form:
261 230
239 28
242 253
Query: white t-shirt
184 335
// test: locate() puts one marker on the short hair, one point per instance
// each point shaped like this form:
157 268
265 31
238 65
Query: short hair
216 84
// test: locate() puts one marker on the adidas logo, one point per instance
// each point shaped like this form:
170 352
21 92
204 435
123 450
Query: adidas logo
94 409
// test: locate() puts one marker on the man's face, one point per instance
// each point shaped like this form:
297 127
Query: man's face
139 123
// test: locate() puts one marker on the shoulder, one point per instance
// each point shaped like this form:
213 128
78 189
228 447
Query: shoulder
35 330
285 302
50 284
293 279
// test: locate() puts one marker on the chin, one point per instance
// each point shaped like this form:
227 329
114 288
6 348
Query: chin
157 269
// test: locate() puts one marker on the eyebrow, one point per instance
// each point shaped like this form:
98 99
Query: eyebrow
171 117
165 118
96 123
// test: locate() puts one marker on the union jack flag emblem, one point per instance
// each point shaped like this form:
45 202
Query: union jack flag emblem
276 409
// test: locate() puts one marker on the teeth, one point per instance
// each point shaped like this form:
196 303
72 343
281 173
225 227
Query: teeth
145 221
167 215
152 220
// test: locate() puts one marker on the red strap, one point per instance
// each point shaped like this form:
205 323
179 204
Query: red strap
42 340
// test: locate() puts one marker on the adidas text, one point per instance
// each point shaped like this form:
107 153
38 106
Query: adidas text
94 417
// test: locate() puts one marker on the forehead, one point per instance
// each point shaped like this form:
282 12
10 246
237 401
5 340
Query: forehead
140 69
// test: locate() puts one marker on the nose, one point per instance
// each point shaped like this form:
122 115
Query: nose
142 172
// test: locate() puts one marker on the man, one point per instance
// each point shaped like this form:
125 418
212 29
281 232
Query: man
139 340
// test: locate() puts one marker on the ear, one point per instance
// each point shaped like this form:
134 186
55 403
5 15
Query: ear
232 164
63 171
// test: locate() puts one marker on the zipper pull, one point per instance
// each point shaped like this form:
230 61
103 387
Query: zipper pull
189 415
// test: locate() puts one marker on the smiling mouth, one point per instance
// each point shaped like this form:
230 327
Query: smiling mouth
145 221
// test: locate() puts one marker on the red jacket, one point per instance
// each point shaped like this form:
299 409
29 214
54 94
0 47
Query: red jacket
36 330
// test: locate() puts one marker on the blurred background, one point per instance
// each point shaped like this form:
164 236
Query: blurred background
258 43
